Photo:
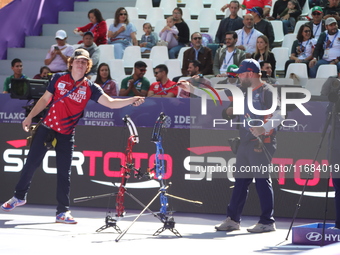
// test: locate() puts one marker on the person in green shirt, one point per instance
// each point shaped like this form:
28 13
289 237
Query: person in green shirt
136 84
17 73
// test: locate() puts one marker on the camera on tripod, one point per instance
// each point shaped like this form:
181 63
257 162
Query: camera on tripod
29 89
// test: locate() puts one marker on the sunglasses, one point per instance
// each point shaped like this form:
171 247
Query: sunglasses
307 31
121 14
316 13
197 38
142 70
157 72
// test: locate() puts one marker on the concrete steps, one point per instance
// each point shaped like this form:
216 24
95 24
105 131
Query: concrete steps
107 6
30 67
45 41
79 17
27 54
51 29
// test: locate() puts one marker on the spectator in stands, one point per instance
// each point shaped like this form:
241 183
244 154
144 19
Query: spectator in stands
229 55
43 74
57 56
168 34
121 33
267 73
200 53
327 48
247 36
231 23
136 84
232 78
303 47
105 81
332 9
279 7
94 51
197 79
266 5
290 15
17 68
317 23
163 87
183 32
97 26
262 53
262 25
148 40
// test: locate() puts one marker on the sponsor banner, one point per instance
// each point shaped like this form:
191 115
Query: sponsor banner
312 234
182 112
99 152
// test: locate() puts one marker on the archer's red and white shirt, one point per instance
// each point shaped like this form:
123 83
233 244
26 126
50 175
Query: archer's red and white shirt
64 115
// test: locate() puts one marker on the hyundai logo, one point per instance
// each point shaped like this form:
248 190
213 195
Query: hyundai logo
314 236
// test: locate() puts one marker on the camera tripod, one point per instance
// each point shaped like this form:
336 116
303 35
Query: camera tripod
330 121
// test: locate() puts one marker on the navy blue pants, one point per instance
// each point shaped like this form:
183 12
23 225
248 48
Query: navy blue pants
246 157
64 150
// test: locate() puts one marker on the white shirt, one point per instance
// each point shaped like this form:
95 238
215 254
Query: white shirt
248 40
334 50
308 45
317 30
228 60
58 64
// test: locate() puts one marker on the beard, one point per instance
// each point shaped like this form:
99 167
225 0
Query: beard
246 83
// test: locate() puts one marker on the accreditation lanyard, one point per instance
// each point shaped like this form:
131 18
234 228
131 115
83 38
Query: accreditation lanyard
93 27
252 31
335 36
161 86
301 45
103 85
317 28
224 62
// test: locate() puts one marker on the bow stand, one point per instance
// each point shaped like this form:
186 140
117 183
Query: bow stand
126 171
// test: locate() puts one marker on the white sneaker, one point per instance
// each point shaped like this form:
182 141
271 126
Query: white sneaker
162 43
228 225
261 228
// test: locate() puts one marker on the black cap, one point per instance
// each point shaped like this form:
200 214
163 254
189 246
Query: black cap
88 33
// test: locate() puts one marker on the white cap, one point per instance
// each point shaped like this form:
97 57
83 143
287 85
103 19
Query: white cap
60 34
